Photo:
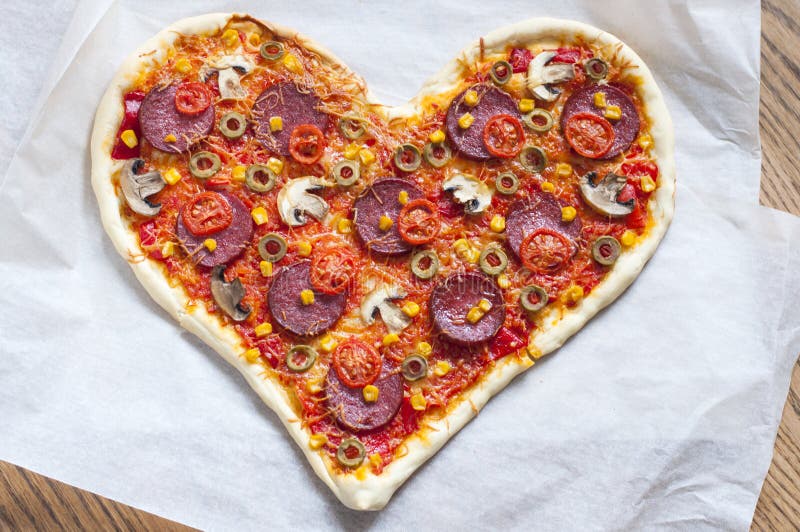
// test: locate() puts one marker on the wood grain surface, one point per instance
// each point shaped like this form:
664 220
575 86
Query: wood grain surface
31 501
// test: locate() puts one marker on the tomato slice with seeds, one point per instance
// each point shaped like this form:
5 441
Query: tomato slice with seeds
589 134
206 213
418 222
356 363
306 143
331 268
192 98
545 251
503 136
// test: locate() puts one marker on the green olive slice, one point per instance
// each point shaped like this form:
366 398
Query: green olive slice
533 158
533 298
414 367
493 260
606 250
538 120
437 154
351 453
233 125
259 178
300 358
425 264
352 126
501 72
506 183
272 50
272 247
204 164
596 68
346 172
407 157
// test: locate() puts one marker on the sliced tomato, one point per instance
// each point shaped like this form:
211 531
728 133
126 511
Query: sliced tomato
356 363
306 143
418 222
192 98
545 251
207 213
332 267
503 136
520 58
589 134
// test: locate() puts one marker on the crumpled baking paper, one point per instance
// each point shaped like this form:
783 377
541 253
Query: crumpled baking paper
661 412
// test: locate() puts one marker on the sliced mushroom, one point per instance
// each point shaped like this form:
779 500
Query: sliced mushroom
380 300
295 201
470 191
138 187
542 77
228 295
602 196
229 68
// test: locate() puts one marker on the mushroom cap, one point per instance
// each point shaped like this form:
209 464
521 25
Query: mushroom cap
473 193
138 187
602 195
228 295
295 201
380 300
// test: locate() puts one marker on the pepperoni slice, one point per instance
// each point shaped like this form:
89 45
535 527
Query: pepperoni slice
540 210
166 128
356 363
294 106
353 412
590 135
491 102
453 298
382 199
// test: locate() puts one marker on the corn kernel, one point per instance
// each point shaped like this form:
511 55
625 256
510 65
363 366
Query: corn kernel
210 244
129 138
167 249
172 176
474 315
410 309
303 248
418 402
314 385
259 215
645 141
351 150
525 105
389 339
465 121
275 123
263 329
361 472
613 112
568 213
424 349
275 164
238 173
366 156
370 393
231 38
344 226
254 39
169 137
498 223
317 441
441 369
572 294
485 305
647 184
266 268
183 65
547 186
402 197
307 296
437 137
471 98
376 459
291 62
599 99
251 355
628 238
327 343
564 169
503 281
385 223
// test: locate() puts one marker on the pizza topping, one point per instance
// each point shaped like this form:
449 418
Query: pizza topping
604 196
208 211
306 144
546 251
349 408
539 210
424 264
233 125
350 453
606 250
380 300
493 260
352 126
260 178
379 200
626 128
437 154
520 58
506 183
192 98
469 191
418 222
295 107
272 247
129 128
533 159
332 265
589 135
501 72
272 50
229 69
543 76
407 157
137 187
300 358
414 367
290 313
538 120
356 363
491 102
228 295
295 201
159 119
533 298
453 298
204 164
346 172
596 68
503 136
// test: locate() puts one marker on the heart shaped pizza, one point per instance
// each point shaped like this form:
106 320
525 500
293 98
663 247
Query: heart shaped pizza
377 273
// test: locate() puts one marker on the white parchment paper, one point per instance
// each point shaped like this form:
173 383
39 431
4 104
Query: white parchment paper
662 412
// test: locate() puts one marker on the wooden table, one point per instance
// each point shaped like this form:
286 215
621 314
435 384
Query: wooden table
29 500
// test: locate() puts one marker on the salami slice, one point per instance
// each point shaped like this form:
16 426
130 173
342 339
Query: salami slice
491 102
453 298
158 118
382 199
625 129
294 106
289 311
353 412
230 241
538 211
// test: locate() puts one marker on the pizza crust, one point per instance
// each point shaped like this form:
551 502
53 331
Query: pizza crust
374 491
